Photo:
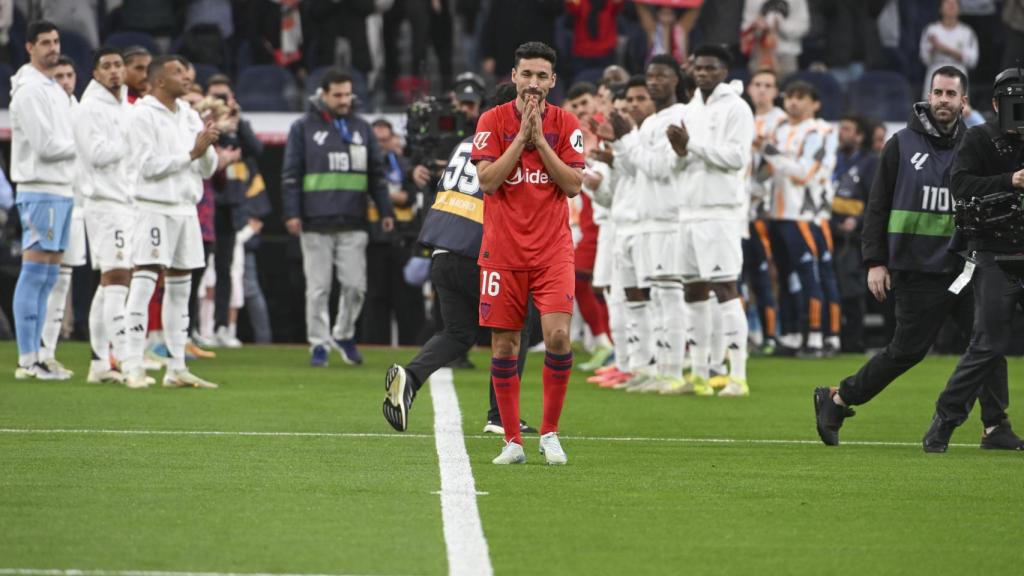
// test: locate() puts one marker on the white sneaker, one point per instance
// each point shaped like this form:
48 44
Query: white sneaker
735 388
137 379
512 453
185 379
672 386
551 448
57 369
103 376
637 381
204 341
226 339
27 373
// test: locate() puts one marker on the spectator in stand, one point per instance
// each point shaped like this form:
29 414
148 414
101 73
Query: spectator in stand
719 24
849 34
431 24
6 21
215 12
510 24
388 295
136 61
326 21
948 42
668 30
157 18
79 17
595 32
274 32
772 32
1013 19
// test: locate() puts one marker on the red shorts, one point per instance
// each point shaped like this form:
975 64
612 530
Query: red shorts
503 293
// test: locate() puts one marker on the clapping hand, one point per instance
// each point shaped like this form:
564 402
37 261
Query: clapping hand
679 137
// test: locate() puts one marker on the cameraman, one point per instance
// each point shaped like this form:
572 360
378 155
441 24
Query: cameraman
990 162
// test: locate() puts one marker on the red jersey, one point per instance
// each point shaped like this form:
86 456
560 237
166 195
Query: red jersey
526 220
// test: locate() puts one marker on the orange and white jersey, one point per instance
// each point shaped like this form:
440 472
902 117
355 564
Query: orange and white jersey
760 182
796 160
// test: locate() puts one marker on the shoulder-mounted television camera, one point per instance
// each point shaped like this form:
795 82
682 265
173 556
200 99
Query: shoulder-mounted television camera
433 129
1008 92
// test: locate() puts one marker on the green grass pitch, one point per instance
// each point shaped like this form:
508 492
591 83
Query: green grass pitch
653 486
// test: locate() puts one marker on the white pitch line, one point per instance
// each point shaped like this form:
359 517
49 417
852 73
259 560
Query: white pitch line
463 532
89 572
393 436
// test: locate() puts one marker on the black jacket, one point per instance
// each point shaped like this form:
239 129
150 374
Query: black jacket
985 166
874 239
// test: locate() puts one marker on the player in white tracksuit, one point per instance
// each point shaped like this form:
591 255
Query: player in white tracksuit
171 148
715 144
101 131
647 153
42 165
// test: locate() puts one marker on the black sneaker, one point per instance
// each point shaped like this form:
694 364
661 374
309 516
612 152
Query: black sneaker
495 427
399 394
829 415
936 440
1002 438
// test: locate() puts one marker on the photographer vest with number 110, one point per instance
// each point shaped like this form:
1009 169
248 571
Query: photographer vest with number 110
921 220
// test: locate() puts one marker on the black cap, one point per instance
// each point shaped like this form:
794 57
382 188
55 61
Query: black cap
1008 76
469 87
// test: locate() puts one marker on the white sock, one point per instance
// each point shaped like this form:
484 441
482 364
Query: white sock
140 292
233 331
26 360
55 306
99 337
657 332
115 297
718 343
814 340
834 342
175 318
639 341
734 334
700 337
617 323
672 316
600 341
206 309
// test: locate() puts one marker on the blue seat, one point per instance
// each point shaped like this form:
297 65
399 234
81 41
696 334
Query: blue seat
829 90
359 85
592 75
128 39
78 49
741 74
881 95
203 73
5 85
266 88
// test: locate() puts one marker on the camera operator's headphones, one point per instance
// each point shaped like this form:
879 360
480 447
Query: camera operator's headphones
1008 92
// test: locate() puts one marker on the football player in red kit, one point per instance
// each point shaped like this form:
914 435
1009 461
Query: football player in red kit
529 159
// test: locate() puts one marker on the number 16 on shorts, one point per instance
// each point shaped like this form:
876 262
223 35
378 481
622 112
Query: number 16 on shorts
490 282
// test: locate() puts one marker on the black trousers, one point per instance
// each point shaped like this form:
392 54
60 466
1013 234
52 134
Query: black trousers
223 256
922 302
457 281
981 373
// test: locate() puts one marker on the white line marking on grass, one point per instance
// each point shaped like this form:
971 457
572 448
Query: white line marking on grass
88 572
463 533
653 439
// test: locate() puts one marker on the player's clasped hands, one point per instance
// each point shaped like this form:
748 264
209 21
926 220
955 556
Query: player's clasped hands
530 132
